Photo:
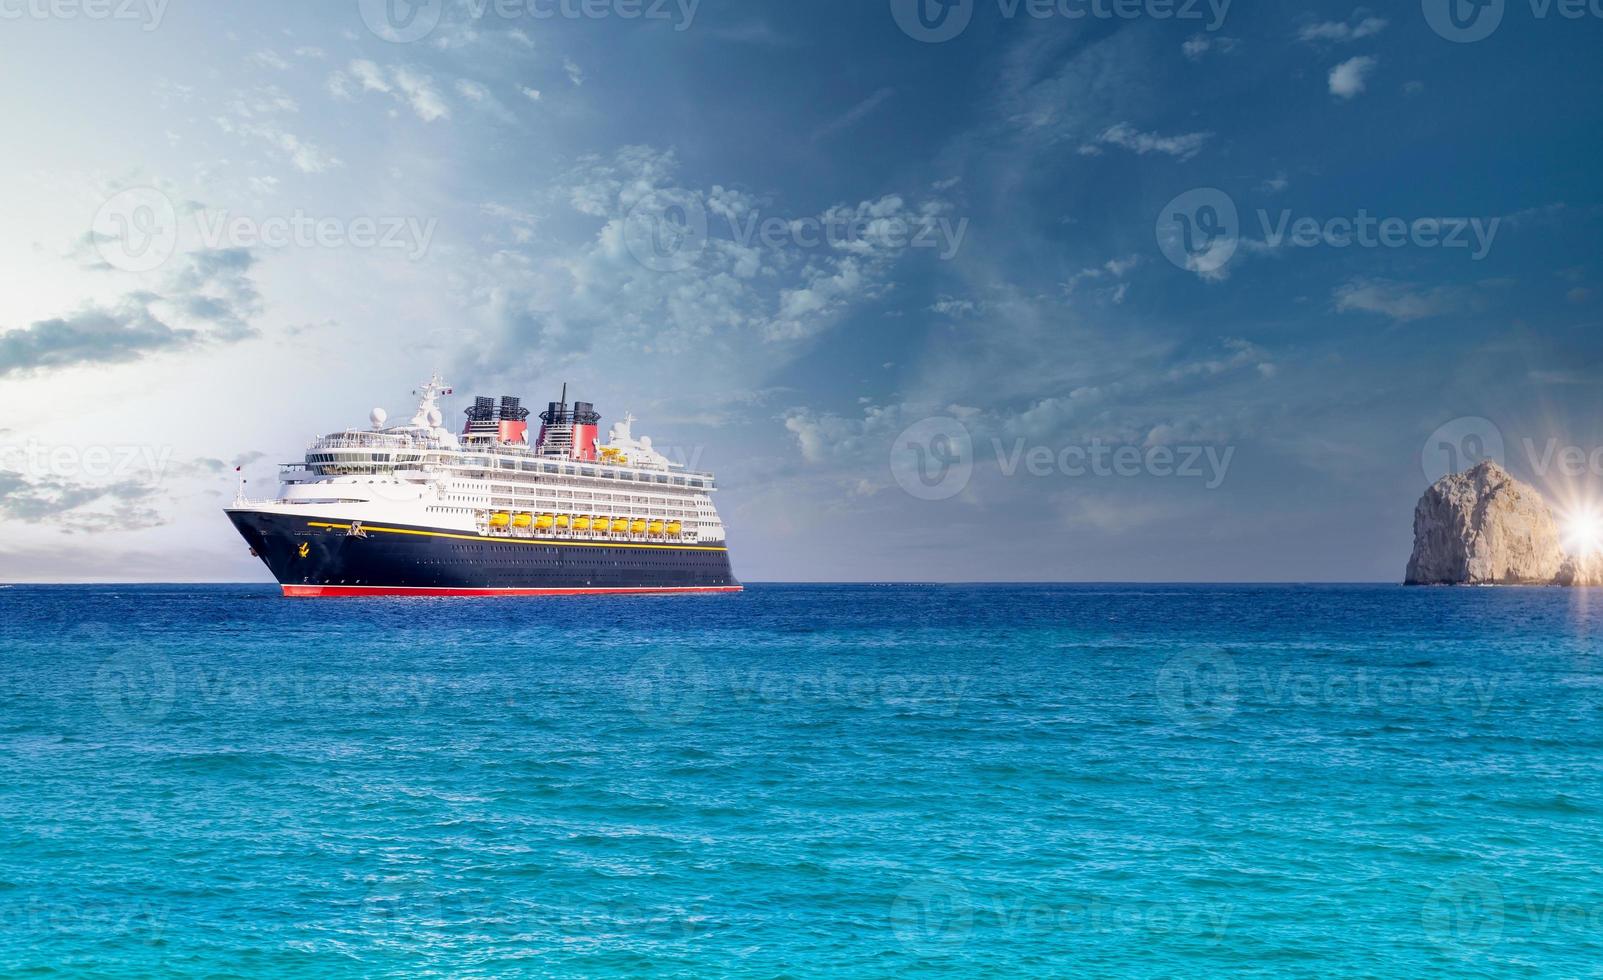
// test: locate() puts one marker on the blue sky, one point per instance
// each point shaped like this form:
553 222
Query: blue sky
796 240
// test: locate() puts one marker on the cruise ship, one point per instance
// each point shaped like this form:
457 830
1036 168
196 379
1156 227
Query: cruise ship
417 510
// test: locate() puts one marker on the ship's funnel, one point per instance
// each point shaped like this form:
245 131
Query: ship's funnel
513 422
480 416
586 431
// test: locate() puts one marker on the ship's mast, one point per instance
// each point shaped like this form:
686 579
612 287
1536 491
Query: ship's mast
429 401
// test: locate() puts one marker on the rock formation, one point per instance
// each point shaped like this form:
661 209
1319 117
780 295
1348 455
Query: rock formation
1583 570
1483 527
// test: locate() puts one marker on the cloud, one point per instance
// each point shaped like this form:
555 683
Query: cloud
755 32
409 86
1124 135
370 75
953 307
1355 28
575 74
1401 301
92 335
1114 268
120 505
751 296
854 115
270 59
419 92
1199 45
482 97
209 298
532 94
1348 79
303 156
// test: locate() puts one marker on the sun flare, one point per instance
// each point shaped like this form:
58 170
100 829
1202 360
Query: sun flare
1583 533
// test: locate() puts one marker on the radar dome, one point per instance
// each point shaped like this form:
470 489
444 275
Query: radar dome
436 417
379 417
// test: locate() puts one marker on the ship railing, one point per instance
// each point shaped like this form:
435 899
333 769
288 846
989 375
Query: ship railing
356 439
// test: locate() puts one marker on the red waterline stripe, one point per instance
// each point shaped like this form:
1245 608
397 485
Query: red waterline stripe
354 591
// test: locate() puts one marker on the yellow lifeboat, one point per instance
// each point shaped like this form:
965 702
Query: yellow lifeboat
620 525
500 520
674 527
562 521
638 527
545 522
657 527
523 520
581 523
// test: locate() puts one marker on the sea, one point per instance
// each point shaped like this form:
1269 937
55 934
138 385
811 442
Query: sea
803 781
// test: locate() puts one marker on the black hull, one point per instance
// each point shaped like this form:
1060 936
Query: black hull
321 557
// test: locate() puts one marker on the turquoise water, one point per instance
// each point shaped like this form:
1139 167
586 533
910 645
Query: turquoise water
959 781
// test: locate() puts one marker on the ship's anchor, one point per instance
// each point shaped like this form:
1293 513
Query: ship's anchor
356 530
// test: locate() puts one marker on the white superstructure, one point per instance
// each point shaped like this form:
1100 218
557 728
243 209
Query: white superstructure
491 481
